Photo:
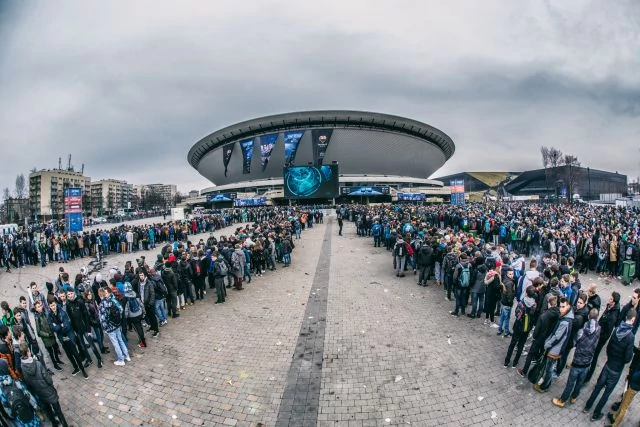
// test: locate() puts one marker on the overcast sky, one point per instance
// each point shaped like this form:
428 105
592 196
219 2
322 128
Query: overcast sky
128 87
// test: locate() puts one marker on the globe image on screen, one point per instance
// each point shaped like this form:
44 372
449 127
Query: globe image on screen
302 181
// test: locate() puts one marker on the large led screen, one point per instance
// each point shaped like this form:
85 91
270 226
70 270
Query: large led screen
364 191
256 201
410 197
223 197
307 182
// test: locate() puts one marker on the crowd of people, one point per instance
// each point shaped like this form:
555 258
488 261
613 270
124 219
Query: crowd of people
75 313
526 260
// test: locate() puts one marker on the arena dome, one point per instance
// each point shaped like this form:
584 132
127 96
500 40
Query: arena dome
361 143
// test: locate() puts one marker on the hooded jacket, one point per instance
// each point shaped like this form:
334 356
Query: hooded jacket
586 343
623 315
556 342
545 325
620 347
170 280
38 380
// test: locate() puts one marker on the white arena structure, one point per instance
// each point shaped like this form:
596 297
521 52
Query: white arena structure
370 149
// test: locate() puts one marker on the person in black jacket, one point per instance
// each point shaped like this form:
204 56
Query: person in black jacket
619 353
544 327
81 324
424 260
607 322
171 282
38 380
633 382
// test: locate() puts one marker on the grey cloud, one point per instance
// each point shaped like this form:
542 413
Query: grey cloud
128 94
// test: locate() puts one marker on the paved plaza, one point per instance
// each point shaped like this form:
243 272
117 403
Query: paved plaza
336 339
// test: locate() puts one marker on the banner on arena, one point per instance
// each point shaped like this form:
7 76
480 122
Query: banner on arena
247 155
320 139
267 142
226 157
291 142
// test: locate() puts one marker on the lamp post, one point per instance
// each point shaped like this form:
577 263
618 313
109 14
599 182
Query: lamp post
589 179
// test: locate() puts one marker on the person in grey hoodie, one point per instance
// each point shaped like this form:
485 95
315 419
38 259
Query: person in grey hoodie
619 353
585 347
38 380
554 344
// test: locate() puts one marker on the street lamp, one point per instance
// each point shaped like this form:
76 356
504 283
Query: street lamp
589 179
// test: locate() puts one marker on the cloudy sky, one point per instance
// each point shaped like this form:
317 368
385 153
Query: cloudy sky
128 87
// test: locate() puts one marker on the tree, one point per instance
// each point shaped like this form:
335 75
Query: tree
571 174
551 160
20 186
6 194
153 199
178 198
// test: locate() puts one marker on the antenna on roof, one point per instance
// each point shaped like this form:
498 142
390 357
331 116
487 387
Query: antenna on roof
82 171
69 164
59 163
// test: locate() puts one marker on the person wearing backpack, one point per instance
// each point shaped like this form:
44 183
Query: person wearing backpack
38 380
134 312
523 324
376 232
586 341
506 301
449 265
461 282
220 271
18 403
160 292
111 320
400 254
424 261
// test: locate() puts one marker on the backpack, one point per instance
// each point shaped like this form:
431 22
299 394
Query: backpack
134 307
524 316
18 402
465 276
220 268
115 316
197 269
400 249
629 252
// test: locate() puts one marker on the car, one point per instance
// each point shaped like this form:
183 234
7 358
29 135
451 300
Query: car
98 220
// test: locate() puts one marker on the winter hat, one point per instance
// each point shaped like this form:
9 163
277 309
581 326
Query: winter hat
171 258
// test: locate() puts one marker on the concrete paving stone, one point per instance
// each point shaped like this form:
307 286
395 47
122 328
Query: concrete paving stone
248 381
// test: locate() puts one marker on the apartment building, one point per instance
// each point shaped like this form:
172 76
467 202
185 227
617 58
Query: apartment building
108 196
46 192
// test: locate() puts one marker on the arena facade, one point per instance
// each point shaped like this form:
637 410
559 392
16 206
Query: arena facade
381 151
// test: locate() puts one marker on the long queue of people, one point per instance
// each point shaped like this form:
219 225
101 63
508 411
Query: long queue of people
534 279
75 316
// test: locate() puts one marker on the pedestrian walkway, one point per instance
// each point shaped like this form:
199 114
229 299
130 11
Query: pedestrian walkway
336 339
